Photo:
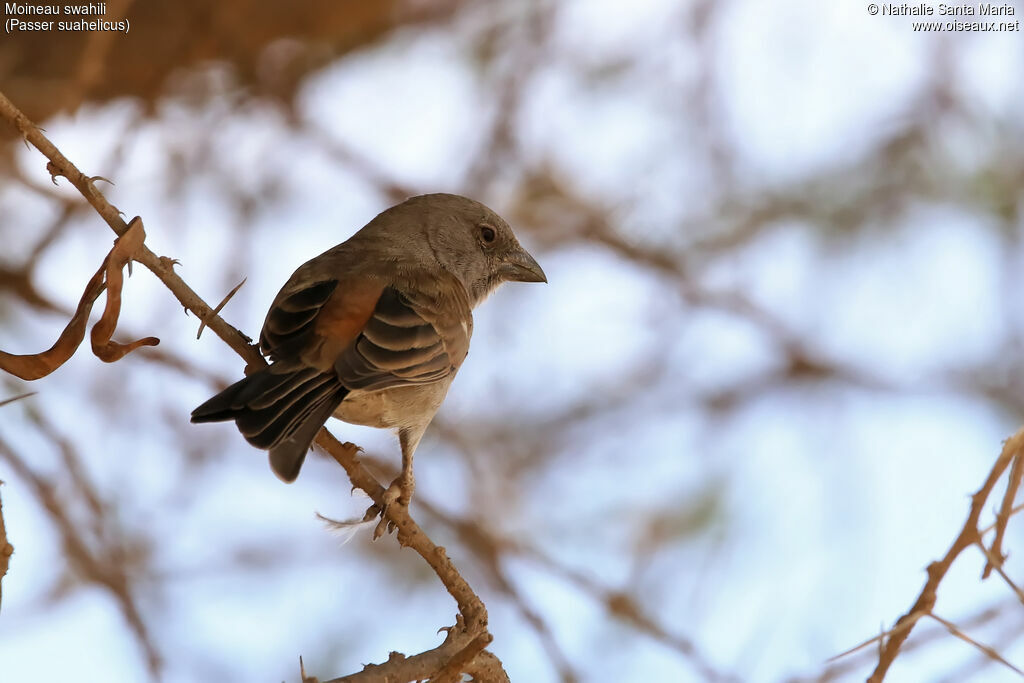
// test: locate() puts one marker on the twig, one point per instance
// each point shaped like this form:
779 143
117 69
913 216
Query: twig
486 668
971 670
846 663
903 625
59 165
997 564
489 549
617 603
985 649
422 666
996 557
1013 511
452 671
969 534
410 534
16 398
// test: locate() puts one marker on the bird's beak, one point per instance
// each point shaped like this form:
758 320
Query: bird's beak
519 266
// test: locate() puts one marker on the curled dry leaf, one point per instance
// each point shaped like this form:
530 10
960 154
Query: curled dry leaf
109 277
124 249
36 365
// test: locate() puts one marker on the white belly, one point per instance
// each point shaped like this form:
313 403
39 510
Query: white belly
395 408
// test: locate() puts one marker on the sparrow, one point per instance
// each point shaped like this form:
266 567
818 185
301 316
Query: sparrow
374 330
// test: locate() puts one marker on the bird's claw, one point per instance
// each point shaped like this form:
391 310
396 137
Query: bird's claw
384 525
401 489
398 493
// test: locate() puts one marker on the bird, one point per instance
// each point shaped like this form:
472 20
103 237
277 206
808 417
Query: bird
374 330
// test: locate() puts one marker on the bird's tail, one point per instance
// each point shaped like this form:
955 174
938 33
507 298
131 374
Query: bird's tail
280 409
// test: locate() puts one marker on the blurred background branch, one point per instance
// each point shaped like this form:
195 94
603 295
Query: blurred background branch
780 344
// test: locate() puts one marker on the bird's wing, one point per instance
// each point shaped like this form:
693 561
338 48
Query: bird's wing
374 336
306 309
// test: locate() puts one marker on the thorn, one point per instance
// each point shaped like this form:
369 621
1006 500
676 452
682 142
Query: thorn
17 398
94 178
224 301
306 678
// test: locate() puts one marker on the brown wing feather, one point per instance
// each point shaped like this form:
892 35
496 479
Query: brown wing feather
341 320
316 322
418 334
372 337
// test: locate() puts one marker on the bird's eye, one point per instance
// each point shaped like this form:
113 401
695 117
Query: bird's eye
487 234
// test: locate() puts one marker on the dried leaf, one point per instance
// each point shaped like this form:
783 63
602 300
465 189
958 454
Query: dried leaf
35 365
124 249
109 277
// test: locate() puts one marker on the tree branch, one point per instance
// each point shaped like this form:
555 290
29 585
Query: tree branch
969 535
466 639
162 267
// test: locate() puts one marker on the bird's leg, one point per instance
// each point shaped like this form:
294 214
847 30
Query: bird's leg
400 490
402 487
406 481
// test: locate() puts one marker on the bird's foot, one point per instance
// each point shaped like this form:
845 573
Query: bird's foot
384 525
401 489
398 493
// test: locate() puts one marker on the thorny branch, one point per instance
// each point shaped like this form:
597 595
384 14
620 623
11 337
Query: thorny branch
1003 517
970 534
860 656
467 638
162 267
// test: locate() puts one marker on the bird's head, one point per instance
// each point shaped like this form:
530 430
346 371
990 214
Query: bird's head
473 243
